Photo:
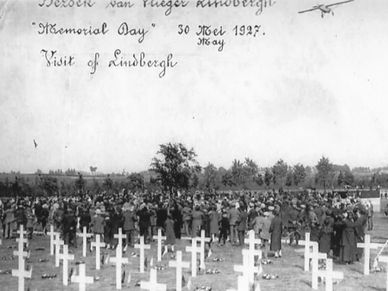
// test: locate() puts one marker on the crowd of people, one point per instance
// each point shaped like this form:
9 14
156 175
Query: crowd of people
337 223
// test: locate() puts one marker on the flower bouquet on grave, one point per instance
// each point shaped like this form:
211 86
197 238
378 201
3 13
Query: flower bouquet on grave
203 288
160 267
48 276
212 271
218 259
134 255
45 260
79 262
8 258
266 261
270 276
377 269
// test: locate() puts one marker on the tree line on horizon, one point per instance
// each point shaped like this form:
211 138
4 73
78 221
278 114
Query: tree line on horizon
175 168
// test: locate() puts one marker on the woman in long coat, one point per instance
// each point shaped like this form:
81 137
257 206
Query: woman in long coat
326 234
276 234
214 220
170 234
197 221
348 241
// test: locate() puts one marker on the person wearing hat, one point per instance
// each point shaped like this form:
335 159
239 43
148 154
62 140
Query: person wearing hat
130 219
69 228
170 234
97 223
233 218
261 225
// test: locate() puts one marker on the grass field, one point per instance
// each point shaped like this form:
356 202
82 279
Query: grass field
289 268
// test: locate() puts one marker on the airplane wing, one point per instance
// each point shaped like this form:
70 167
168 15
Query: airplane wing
339 3
308 10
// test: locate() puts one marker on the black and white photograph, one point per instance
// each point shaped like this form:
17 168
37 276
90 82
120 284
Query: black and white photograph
194 145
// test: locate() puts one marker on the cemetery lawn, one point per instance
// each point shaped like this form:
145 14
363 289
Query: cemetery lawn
289 268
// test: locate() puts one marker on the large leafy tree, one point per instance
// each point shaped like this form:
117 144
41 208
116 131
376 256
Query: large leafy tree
210 176
268 177
135 181
279 171
324 172
175 166
299 174
238 172
250 169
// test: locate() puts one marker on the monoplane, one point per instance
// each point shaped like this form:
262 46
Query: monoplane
325 8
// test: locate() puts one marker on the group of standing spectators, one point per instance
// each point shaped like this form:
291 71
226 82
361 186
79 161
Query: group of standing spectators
336 223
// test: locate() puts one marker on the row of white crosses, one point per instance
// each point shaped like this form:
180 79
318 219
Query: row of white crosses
55 247
194 249
248 268
21 273
315 256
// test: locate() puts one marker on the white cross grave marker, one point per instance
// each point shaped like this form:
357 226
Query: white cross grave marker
307 244
384 259
58 243
82 279
242 284
119 261
251 240
21 240
194 249
142 247
120 237
85 235
66 257
98 245
248 267
329 275
179 265
51 233
21 273
315 255
202 240
367 246
159 238
153 285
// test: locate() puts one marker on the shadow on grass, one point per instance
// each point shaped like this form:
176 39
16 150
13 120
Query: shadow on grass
376 288
298 266
307 283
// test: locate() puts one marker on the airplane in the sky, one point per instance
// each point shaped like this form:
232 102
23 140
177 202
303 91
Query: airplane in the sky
325 8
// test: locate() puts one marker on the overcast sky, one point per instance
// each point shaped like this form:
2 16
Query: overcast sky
309 87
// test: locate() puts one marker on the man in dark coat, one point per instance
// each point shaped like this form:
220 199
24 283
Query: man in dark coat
242 224
144 221
161 216
177 217
69 228
360 226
